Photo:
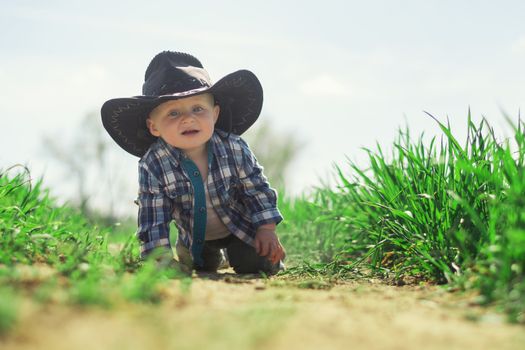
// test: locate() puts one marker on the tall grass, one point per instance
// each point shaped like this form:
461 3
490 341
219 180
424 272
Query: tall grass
440 211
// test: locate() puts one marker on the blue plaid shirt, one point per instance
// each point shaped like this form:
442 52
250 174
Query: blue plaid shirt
238 190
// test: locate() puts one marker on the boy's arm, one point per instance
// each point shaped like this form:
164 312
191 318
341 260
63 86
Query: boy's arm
155 214
257 194
261 199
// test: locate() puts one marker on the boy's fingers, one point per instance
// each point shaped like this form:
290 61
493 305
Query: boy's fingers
274 259
265 247
257 246
277 253
280 255
271 253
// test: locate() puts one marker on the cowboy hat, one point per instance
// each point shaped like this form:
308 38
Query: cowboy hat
174 75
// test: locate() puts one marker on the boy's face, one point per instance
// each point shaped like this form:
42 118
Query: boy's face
187 123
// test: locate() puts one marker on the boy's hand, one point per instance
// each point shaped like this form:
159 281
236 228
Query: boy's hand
267 244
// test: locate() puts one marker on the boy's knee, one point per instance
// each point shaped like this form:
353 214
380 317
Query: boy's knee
212 258
244 259
211 261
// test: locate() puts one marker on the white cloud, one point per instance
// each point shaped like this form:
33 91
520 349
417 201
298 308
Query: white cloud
325 85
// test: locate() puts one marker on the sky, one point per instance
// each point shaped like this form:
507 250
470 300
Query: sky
337 75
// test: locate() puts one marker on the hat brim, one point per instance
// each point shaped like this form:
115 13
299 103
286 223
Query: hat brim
239 95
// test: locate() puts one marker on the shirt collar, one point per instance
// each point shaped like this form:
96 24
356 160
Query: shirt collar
218 143
166 149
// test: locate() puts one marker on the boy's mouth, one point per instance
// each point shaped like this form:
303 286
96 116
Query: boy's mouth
190 132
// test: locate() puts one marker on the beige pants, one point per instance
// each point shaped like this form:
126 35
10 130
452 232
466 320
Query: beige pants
183 254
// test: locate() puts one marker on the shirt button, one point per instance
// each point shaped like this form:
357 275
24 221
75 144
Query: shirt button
196 173
202 209
199 241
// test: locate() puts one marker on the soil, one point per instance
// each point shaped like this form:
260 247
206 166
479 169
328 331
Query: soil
226 311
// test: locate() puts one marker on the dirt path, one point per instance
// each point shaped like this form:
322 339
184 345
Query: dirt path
232 313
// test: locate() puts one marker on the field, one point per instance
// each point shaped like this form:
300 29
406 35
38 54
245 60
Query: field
425 246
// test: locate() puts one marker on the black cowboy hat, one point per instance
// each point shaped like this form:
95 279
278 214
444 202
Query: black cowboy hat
175 75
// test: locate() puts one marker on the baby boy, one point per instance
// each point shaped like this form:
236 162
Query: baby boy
195 169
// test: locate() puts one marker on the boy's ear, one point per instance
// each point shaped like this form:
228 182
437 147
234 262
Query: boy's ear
151 127
216 111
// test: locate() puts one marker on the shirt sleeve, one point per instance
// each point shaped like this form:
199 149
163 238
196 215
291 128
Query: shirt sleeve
155 214
257 194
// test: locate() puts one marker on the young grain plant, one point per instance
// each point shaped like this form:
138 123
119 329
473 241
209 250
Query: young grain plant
438 212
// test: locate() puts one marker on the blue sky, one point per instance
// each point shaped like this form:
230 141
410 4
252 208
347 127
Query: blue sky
340 75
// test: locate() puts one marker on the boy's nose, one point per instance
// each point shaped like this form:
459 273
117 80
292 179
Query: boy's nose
186 118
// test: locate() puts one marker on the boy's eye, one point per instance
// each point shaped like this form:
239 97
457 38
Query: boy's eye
173 114
198 109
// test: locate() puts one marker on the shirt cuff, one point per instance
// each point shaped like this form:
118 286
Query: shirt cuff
268 216
146 248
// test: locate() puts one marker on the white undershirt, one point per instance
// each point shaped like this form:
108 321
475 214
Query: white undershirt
215 228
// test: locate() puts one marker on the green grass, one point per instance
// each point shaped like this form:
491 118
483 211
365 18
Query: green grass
51 252
309 232
436 210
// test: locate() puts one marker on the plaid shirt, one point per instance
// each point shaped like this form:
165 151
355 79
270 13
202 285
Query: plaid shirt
238 190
